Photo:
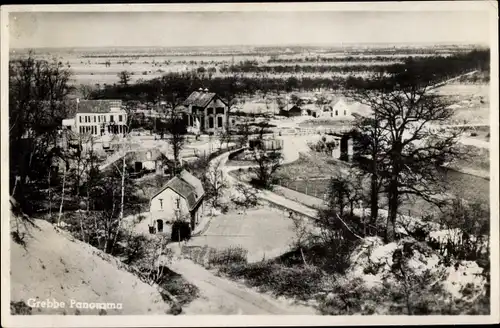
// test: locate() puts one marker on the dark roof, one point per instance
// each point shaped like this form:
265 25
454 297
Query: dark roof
188 189
295 108
97 106
199 98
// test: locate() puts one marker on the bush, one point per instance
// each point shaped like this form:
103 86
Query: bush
228 256
19 308
178 287
299 282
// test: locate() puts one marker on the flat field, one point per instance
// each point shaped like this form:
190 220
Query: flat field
101 65
264 232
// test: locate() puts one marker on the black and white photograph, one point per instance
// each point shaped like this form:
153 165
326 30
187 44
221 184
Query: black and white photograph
270 163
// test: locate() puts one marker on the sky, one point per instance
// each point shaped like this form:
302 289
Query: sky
170 29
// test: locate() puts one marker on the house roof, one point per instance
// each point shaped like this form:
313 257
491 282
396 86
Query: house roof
341 104
187 186
193 181
294 108
97 106
199 98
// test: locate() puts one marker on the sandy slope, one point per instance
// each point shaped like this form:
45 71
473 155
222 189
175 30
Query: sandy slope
54 266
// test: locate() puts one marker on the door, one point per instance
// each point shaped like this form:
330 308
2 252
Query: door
138 166
159 225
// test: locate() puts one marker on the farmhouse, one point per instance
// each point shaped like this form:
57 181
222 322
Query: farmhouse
97 118
180 199
206 110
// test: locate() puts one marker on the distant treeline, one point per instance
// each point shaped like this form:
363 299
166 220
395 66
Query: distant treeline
182 84
193 54
319 59
414 70
283 69
441 66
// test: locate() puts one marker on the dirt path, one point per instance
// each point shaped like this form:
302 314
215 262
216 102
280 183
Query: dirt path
222 296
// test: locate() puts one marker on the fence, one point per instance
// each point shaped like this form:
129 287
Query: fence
311 187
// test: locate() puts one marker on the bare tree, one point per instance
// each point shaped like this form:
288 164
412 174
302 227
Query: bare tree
368 142
176 127
215 183
244 131
302 233
410 148
37 105
245 196
268 163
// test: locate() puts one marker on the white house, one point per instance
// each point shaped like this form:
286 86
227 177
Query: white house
181 198
97 118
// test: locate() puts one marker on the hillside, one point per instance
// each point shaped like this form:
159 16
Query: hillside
50 264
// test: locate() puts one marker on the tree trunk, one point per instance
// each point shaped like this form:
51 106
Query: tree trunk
393 209
50 197
374 199
303 256
120 219
62 199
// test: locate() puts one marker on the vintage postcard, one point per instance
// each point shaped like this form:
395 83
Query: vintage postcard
249 164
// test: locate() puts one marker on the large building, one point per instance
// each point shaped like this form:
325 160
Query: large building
97 118
206 111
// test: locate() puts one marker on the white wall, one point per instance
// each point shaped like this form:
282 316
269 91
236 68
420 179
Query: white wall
166 208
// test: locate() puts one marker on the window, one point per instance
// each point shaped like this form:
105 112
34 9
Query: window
161 203
80 119
99 118
336 113
219 121
111 118
178 202
220 110
120 118
104 118
210 122
345 112
95 119
210 111
81 128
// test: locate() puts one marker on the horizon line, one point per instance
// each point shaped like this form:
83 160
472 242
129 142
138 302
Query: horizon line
479 43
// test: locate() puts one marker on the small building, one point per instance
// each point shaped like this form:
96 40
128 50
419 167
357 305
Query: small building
206 110
97 118
147 161
180 199
293 112
341 109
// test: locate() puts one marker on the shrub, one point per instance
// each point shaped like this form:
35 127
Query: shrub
177 287
299 282
228 256
19 308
